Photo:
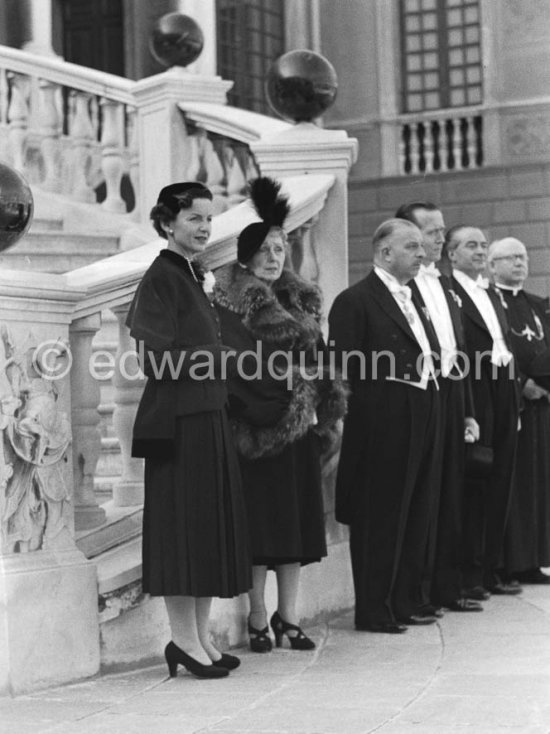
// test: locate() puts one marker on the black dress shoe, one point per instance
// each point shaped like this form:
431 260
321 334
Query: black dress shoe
389 628
476 592
418 619
533 576
506 589
464 605
229 662
176 656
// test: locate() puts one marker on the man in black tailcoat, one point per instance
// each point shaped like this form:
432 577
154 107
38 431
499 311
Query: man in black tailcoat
496 404
444 565
527 542
387 472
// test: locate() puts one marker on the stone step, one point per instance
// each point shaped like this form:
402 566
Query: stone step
42 224
58 252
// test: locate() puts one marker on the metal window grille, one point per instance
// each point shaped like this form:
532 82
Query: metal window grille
440 54
250 36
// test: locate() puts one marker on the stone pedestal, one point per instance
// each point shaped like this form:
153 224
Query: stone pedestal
48 620
306 148
164 151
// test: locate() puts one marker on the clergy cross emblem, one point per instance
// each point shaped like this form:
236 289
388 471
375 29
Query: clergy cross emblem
528 333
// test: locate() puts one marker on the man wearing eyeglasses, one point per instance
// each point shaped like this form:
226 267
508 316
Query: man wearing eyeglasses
527 543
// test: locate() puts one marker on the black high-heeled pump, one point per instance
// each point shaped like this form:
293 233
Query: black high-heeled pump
229 662
176 656
259 640
299 641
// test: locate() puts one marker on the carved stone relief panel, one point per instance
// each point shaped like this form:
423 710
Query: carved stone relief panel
35 495
528 135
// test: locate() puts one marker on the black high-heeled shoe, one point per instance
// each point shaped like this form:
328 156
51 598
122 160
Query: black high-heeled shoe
229 662
259 640
299 641
176 656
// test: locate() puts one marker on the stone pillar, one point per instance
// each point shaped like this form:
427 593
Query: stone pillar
128 383
49 631
204 12
85 419
39 15
306 148
164 151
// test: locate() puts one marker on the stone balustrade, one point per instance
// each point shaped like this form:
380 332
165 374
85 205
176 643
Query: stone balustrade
441 141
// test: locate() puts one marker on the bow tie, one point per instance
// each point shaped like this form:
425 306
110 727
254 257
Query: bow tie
403 292
482 282
431 271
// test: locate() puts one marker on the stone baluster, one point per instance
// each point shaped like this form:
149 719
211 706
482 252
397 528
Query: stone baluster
456 142
18 121
49 130
403 149
128 382
305 260
215 175
428 147
251 171
4 93
443 146
112 165
236 181
82 134
193 157
85 397
414 147
133 153
471 141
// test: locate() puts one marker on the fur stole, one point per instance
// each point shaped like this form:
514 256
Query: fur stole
288 317
285 316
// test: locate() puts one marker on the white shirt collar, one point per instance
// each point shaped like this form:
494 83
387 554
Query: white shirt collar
514 289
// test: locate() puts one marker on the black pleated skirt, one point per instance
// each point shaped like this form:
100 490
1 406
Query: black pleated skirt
284 503
195 540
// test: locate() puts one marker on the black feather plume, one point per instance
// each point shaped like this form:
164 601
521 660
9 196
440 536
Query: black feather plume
271 205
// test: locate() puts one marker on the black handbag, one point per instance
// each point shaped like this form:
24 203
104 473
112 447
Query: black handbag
479 461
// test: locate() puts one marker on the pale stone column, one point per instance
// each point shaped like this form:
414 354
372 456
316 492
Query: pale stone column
39 14
85 419
164 148
204 12
128 382
306 148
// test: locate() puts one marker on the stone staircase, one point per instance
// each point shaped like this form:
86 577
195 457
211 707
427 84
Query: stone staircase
49 248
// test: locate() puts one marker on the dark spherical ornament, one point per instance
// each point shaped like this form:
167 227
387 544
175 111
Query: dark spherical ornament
16 207
176 40
301 85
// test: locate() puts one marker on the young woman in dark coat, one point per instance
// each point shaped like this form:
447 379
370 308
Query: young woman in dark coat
265 307
195 542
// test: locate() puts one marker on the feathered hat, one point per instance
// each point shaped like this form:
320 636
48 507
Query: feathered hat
272 207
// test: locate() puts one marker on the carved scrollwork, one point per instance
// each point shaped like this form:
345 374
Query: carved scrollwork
34 437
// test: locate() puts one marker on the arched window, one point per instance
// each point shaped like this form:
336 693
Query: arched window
440 54
250 36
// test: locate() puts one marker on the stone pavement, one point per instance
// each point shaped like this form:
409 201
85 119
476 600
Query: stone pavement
471 673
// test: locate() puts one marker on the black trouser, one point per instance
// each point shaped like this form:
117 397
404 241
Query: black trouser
487 502
396 479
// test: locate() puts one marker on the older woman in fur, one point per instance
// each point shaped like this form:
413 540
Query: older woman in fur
281 418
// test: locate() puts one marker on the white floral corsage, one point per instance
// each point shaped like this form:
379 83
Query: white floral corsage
426 313
208 282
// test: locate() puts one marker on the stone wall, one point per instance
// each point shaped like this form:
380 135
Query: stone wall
504 201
